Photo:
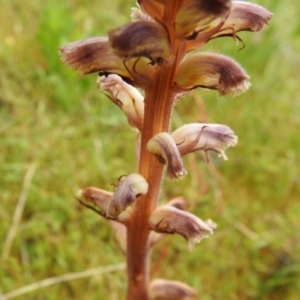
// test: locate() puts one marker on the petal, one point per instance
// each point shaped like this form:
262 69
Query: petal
161 289
244 16
164 148
200 16
141 39
124 95
93 55
128 189
197 136
212 71
169 219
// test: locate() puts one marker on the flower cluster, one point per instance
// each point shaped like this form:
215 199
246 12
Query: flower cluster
155 52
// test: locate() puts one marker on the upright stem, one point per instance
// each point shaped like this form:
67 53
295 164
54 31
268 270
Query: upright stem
158 106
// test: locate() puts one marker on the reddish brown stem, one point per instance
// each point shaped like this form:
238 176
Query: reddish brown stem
158 106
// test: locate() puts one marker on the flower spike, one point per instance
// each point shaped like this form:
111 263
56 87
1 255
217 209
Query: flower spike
164 148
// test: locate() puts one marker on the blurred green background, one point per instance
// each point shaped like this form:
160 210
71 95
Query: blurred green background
58 133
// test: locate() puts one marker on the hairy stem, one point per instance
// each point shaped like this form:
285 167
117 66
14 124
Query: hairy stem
158 107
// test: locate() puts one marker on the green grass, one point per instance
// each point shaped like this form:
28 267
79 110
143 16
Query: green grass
76 138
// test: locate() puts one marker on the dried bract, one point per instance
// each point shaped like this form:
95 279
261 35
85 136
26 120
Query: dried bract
161 289
164 148
212 71
206 137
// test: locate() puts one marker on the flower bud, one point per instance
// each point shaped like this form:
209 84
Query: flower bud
92 55
169 219
141 39
200 16
164 148
206 137
244 16
128 189
124 95
161 289
212 71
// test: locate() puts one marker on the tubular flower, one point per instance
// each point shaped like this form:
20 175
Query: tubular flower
161 289
93 55
169 219
201 15
143 38
128 190
124 95
164 148
212 71
206 137
244 16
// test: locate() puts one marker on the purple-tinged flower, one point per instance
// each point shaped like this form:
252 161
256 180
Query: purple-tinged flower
169 219
206 137
164 148
129 188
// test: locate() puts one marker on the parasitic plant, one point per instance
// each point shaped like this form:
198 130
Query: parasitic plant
155 52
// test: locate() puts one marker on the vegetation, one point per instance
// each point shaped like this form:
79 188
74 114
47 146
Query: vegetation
62 132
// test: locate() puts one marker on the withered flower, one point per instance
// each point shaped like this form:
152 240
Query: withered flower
128 189
206 137
169 219
161 289
164 148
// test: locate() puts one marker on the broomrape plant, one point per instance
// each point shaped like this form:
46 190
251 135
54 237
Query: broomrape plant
154 52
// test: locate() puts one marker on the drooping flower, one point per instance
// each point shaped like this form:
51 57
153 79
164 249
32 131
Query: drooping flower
163 146
128 190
